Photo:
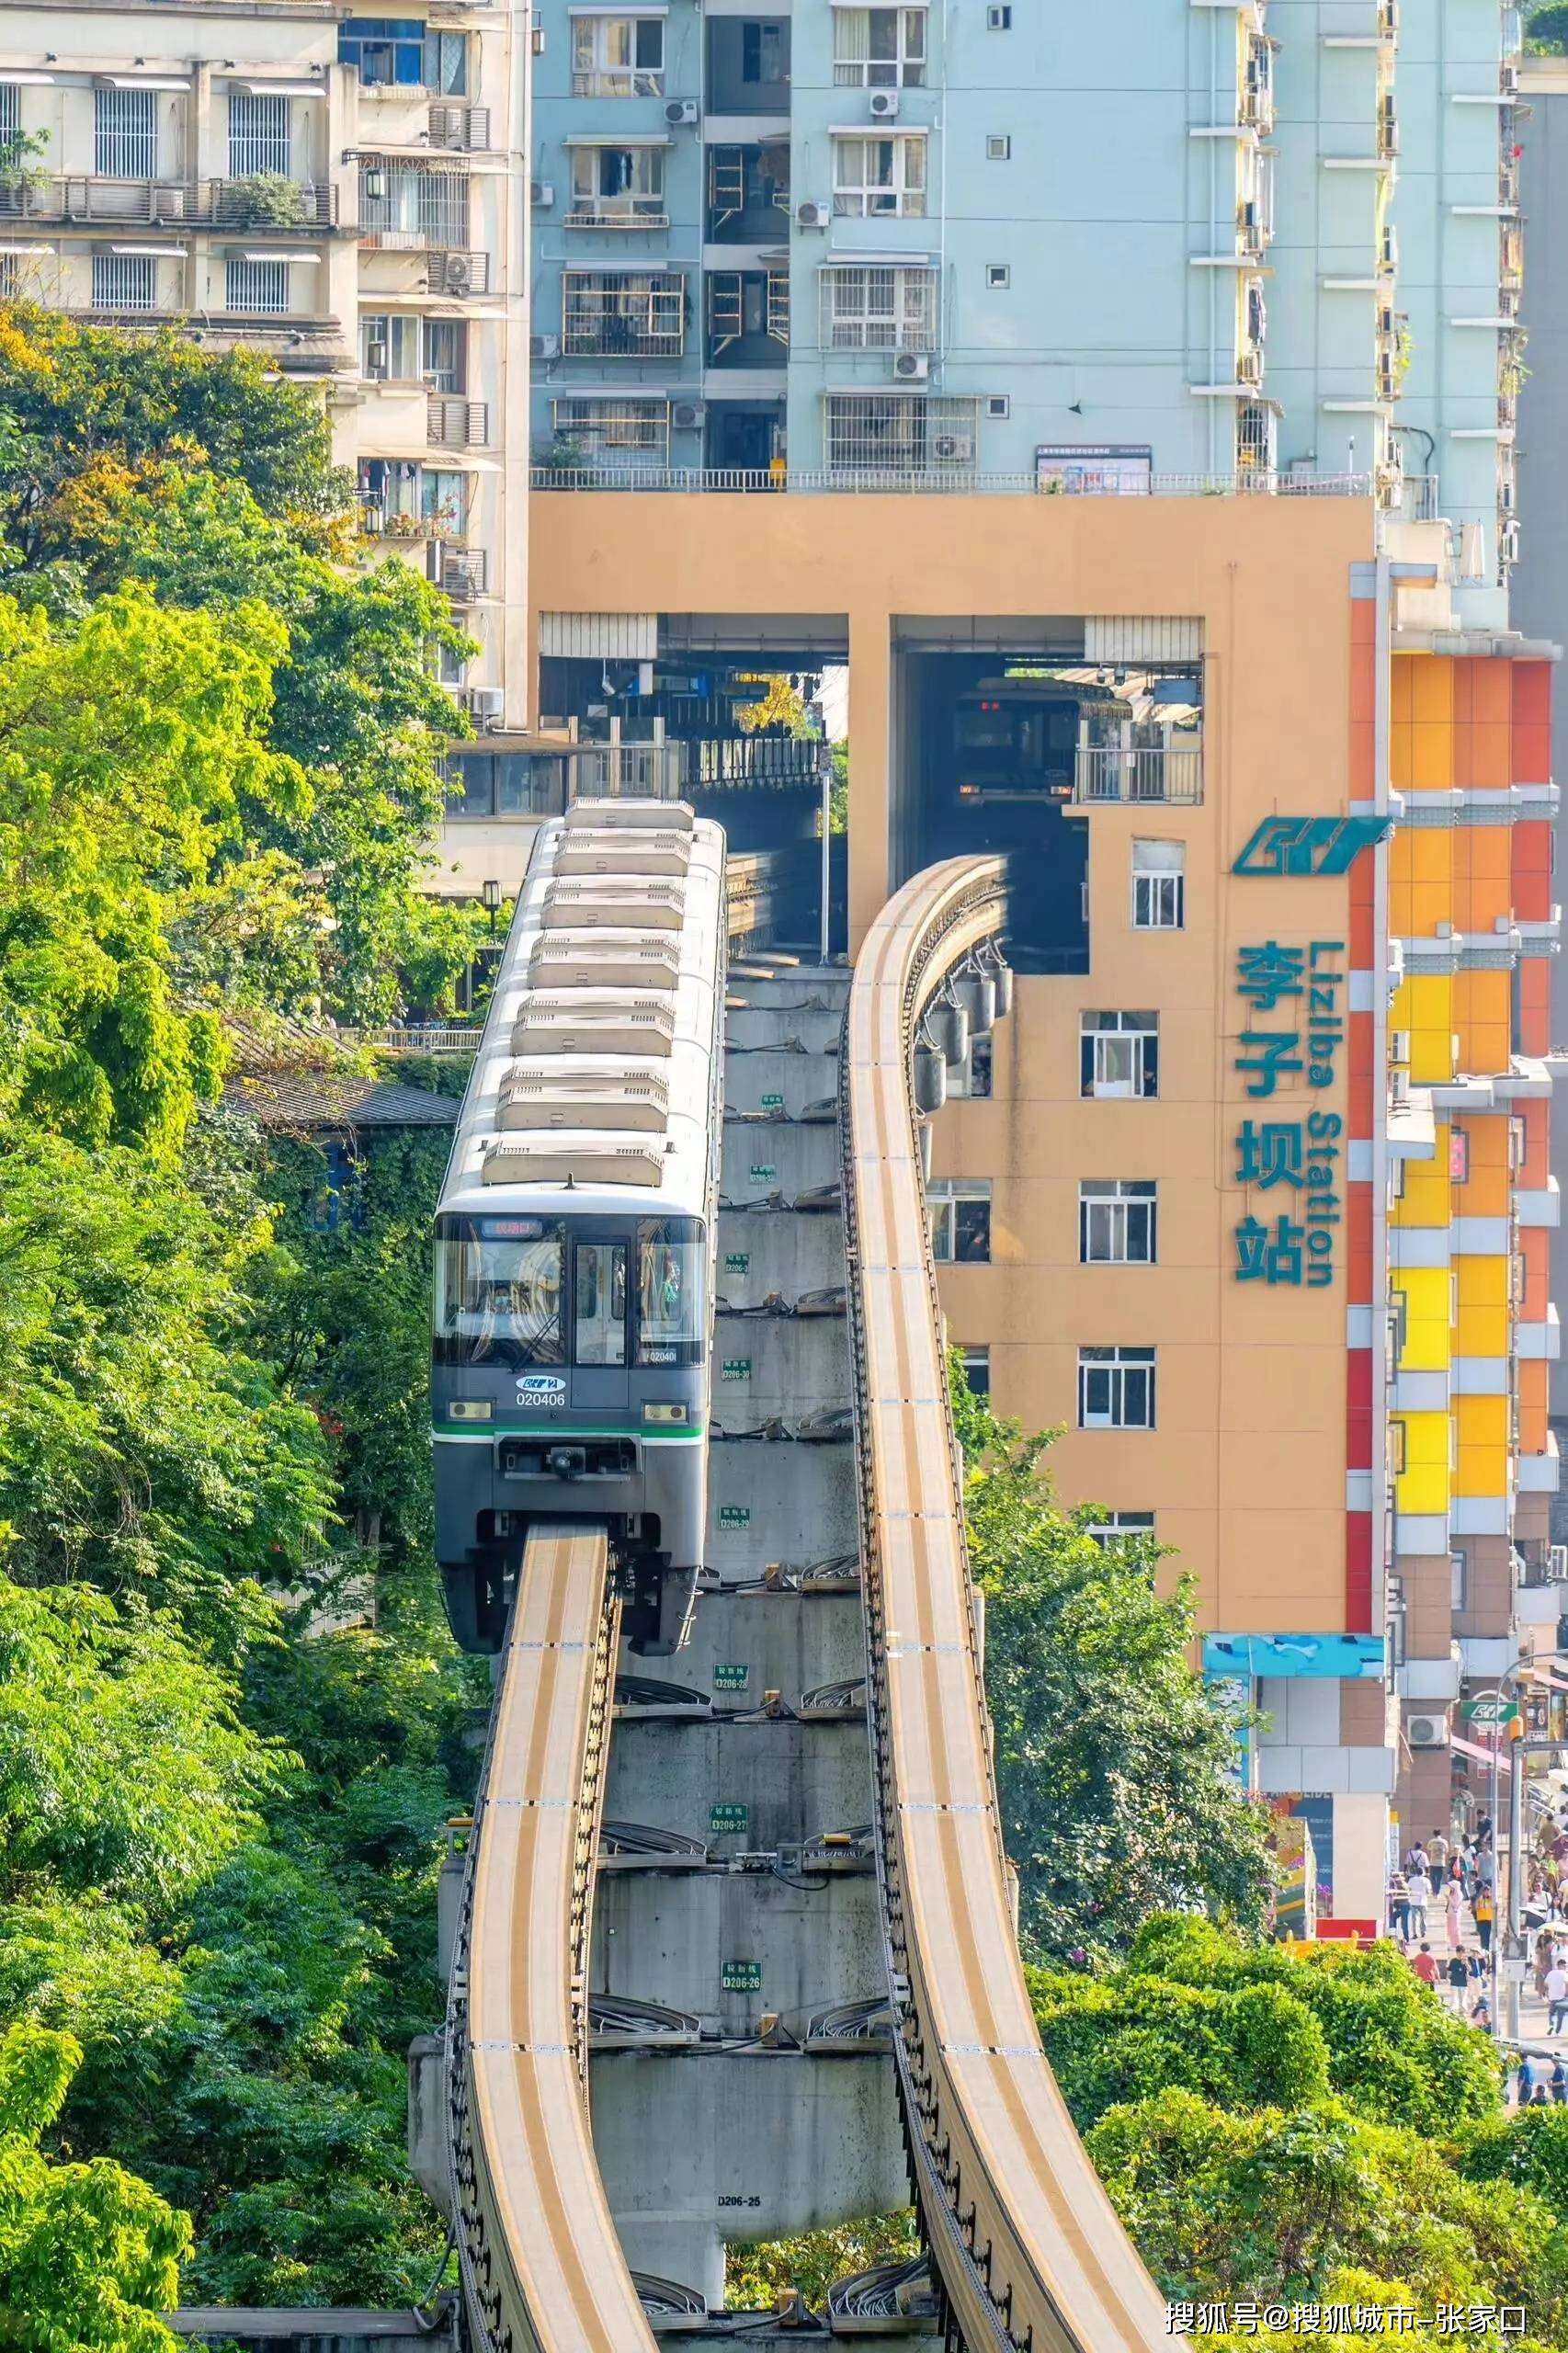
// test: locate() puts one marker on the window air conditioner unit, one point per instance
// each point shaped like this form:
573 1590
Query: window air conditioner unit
685 415
1557 1565
544 347
541 195
1427 1732
681 113
910 367
954 448
884 106
486 704
814 216
1399 1045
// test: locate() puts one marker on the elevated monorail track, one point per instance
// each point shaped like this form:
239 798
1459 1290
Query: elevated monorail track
1024 2249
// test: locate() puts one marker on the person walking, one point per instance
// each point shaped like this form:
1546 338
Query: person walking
1426 1966
1484 1914
1399 1906
1560 2081
1535 2080
1418 1889
1438 1853
1458 1974
1453 1901
1556 1992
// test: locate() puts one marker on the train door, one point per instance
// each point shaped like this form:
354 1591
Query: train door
601 1379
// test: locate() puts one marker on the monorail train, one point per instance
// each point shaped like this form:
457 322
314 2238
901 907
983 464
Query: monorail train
576 1231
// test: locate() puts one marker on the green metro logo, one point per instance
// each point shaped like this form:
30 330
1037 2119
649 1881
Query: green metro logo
1309 845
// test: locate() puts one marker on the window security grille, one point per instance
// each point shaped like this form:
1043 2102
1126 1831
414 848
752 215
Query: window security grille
1116 1389
1117 1222
416 210
876 177
1120 1054
124 283
878 48
596 424
872 309
899 433
258 135
1159 886
10 116
125 134
261 286
10 277
746 302
623 314
618 57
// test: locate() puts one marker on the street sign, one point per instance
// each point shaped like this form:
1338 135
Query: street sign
729 1821
741 1977
730 1675
1493 1708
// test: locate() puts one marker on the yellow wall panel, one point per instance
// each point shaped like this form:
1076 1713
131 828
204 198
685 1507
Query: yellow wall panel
1432 691
1424 1484
1426 1328
1425 1200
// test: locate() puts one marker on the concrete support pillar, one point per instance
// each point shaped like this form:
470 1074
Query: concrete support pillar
871 770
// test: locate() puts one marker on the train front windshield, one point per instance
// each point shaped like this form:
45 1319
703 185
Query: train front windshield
517 1291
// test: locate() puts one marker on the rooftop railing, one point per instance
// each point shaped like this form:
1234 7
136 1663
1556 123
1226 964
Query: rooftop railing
941 481
1169 773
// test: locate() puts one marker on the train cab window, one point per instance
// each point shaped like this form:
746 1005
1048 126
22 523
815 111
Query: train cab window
599 1304
670 1319
498 1293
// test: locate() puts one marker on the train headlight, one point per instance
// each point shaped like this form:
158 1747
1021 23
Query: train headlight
665 1414
469 1409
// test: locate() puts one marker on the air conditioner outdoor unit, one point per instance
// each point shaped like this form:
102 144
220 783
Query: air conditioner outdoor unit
1399 1045
685 415
681 113
169 204
541 195
1427 1732
814 216
544 347
486 704
458 275
955 448
910 367
884 106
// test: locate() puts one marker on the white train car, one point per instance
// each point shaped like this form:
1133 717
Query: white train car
576 1231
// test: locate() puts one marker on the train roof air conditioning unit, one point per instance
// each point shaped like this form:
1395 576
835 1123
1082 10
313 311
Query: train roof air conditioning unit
681 113
685 415
910 367
884 106
1427 1732
810 215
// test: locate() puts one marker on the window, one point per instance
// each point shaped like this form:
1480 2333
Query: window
960 1212
599 1304
618 57
1398 1448
899 432
970 1082
411 501
10 110
624 184
389 347
1119 1054
443 353
124 283
499 1282
762 54
878 48
870 309
999 405
1459 1580
258 134
670 1319
256 285
1116 1221
623 314
1159 886
1116 1389
414 209
405 51
10 277
999 20
125 134
503 784
596 424
880 176
1117 1527
976 1365
998 147
998 274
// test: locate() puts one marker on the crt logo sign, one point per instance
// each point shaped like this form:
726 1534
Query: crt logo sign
540 1385
1309 845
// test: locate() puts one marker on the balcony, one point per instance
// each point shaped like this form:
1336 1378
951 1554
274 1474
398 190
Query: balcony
1172 773
296 207
618 212
458 424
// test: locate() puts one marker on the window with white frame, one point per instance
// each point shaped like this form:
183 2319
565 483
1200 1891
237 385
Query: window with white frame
10 277
878 48
125 282
1119 1054
622 314
389 347
1120 1528
618 57
258 134
1116 1389
976 1365
596 424
867 308
256 285
407 209
970 1082
1117 1220
1159 886
898 433
10 112
960 1211
125 134
880 176
613 185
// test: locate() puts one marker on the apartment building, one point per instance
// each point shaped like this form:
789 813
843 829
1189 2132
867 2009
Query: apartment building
344 195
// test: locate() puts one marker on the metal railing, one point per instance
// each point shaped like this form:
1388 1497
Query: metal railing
159 203
459 424
1172 773
946 481
465 573
465 128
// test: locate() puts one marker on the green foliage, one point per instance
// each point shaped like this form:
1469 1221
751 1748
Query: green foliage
1111 1758
1546 29
88 2256
755 2276
1125 2040
1529 2148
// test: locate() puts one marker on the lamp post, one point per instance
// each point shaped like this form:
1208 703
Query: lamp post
489 892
